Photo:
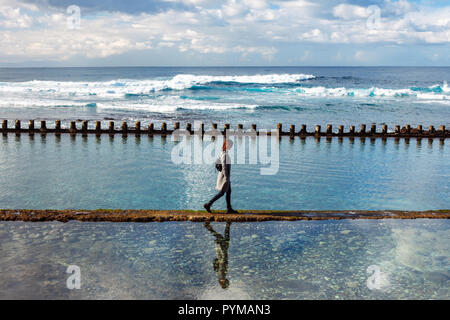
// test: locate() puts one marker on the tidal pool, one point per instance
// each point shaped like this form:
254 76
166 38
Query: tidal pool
75 172
346 259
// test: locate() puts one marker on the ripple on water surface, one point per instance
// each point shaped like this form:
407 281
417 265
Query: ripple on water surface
393 259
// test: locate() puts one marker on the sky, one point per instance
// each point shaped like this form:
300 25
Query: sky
56 33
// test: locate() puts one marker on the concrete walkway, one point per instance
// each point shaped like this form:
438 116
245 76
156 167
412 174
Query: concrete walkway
202 216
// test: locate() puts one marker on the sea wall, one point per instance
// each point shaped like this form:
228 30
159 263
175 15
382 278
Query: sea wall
82 127
202 216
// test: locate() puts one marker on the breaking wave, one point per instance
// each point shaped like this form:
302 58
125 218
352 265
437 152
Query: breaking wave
130 86
433 92
202 92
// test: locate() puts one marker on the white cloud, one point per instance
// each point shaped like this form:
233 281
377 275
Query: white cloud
14 18
350 12
233 8
20 4
430 19
256 4
400 7
241 27
314 35
266 52
359 55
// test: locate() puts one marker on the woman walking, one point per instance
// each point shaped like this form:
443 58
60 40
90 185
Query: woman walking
223 179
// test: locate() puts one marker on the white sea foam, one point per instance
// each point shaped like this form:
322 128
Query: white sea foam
170 104
260 78
162 104
149 95
122 86
321 91
20 102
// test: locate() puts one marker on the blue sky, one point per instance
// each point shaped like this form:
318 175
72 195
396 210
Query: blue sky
230 32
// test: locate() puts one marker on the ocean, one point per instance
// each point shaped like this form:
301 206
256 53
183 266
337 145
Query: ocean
261 95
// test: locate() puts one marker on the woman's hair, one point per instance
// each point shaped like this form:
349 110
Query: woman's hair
227 142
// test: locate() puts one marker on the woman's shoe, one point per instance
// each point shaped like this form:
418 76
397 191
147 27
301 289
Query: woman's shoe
231 210
207 207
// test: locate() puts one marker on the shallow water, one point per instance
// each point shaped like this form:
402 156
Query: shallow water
41 172
361 259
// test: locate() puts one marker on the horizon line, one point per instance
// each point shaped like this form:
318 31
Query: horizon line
229 66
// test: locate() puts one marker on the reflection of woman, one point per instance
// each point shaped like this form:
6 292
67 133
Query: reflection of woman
220 264
223 179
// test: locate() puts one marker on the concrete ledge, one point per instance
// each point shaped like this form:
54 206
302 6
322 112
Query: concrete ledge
117 215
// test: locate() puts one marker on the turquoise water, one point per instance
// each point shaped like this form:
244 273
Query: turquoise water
78 172
360 259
